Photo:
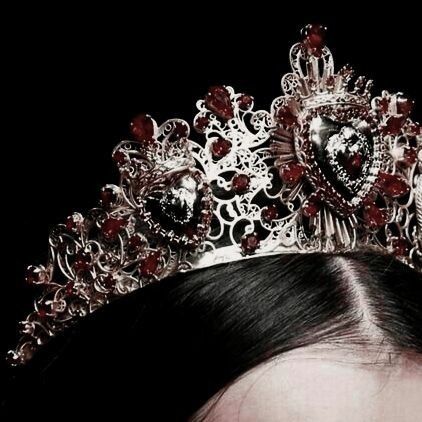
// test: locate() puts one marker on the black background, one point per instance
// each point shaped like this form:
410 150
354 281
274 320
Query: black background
74 78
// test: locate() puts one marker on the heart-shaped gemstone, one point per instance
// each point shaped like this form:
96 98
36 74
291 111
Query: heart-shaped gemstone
341 155
218 100
181 207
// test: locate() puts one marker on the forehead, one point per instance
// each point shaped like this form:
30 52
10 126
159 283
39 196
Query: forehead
321 386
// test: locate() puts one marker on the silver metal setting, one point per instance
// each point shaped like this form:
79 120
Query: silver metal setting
177 207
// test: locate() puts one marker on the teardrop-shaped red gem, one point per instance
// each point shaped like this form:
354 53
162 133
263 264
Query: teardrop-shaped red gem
111 227
285 116
149 264
393 185
142 128
374 216
218 101
393 125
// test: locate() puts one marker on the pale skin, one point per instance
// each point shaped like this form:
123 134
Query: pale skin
325 383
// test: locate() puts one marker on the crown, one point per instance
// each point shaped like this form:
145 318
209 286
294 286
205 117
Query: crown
327 169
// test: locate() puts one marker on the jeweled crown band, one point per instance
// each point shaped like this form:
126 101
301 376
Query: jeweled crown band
328 168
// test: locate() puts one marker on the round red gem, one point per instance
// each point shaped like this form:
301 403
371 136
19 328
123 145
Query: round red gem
374 217
180 131
82 262
249 243
74 223
35 275
201 123
311 206
119 157
400 246
142 128
393 185
404 105
218 101
285 116
108 197
245 102
269 213
111 227
414 129
42 311
220 147
393 125
136 243
291 173
240 183
149 264
108 281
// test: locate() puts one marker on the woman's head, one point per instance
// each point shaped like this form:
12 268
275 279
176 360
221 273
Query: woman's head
284 332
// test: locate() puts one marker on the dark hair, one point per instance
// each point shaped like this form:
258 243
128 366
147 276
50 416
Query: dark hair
163 351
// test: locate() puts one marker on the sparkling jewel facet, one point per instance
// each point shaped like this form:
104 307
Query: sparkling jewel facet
142 128
111 227
240 183
269 213
82 262
201 123
292 173
393 125
400 246
149 264
245 102
374 216
314 38
136 243
285 116
393 185
249 243
220 147
311 206
218 101
180 131
108 197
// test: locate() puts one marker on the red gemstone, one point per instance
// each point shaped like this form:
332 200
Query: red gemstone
291 173
414 129
74 223
400 246
119 157
285 116
245 102
35 275
111 227
393 185
404 106
314 38
201 123
409 156
149 264
383 104
220 147
393 125
82 262
69 288
136 243
142 128
180 131
240 183
108 281
311 206
218 101
269 213
374 216
108 197
315 35
42 311
249 243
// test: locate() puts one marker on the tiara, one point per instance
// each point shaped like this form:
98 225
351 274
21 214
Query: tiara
328 169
